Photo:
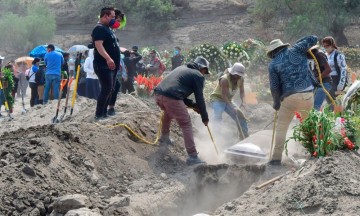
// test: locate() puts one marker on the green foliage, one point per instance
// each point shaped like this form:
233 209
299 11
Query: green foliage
21 33
154 14
235 52
352 56
302 17
8 77
217 60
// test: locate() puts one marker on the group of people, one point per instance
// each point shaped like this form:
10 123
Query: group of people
294 83
297 88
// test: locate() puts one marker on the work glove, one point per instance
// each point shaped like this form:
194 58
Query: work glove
205 121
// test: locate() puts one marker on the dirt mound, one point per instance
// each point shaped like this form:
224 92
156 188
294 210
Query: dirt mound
79 166
325 186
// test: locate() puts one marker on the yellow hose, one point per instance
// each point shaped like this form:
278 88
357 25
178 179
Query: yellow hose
136 134
320 78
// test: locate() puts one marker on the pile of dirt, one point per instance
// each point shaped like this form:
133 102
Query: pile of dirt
77 167
323 186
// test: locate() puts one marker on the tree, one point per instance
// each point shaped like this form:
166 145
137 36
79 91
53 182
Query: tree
20 33
320 17
154 13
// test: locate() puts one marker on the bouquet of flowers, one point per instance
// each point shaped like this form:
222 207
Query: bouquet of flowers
218 62
234 51
319 136
145 85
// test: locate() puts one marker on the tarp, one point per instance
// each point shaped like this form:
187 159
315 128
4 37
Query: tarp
40 51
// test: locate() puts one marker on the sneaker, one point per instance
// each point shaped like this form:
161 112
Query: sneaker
111 112
274 163
166 141
193 159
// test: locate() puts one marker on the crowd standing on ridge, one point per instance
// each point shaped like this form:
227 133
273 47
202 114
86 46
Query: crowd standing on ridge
106 69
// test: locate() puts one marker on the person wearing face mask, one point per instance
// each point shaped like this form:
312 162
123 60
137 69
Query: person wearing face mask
221 98
337 63
177 59
291 85
106 59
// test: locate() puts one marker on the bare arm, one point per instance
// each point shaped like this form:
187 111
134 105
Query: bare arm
242 91
100 48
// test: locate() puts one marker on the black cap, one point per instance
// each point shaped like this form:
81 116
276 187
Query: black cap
202 63
51 46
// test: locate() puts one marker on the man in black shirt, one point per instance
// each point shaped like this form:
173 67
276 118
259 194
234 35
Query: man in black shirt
177 59
172 97
130 60
106 58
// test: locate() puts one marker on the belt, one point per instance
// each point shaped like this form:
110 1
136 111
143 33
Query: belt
307 91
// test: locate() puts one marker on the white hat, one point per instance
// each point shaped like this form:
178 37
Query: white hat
237 69
277 43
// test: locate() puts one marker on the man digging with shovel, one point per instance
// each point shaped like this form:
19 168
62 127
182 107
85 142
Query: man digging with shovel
171 96
291 85
221 98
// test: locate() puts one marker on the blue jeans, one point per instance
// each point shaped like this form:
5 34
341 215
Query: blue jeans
52 80
219 107
320 96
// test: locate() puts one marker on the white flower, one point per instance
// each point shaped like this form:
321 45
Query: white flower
231 53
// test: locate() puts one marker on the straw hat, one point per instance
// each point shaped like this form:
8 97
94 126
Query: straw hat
237 69
277 43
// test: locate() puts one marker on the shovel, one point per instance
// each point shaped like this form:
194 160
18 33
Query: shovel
6 102
67 99
62 84
23 111
73 99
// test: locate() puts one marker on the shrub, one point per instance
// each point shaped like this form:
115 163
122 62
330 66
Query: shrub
20 34
352 56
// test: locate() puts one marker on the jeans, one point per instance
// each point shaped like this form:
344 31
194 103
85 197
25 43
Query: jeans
52 81
219 107
176 109
114 94
34 93
299 102
106 79
128 85
320 96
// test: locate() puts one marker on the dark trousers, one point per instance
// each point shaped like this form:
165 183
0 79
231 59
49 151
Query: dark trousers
114 94
128 86
106 79
34 93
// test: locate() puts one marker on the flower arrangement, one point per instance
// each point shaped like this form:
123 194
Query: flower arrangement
8 78
217 60
145 85
321 134
235 51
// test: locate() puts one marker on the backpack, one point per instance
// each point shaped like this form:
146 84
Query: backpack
40 76
337 68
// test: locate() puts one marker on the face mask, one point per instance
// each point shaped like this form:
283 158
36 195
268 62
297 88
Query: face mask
82 61
176 52
112 22
329 49
116 25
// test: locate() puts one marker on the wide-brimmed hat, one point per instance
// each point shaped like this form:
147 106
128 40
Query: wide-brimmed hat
237 69
277 43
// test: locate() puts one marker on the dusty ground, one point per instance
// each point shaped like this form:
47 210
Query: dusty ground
41 162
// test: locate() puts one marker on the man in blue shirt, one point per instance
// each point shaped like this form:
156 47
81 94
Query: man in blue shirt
53 61
291 85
